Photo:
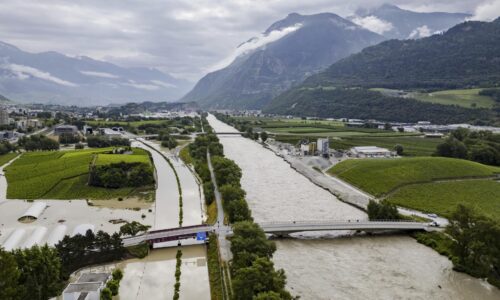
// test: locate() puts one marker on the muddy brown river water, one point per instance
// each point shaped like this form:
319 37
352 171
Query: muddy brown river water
374 267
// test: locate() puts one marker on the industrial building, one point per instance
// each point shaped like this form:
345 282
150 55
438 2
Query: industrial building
371 151
65 129
324 147
4 117
87 287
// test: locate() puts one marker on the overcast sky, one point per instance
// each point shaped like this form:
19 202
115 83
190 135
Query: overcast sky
185 38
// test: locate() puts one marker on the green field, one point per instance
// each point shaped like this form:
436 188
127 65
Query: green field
5 158
466 98
442 197
123 123
139 156
381 176
47 174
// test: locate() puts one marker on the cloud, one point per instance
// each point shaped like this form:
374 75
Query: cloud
373 23
142 86
255 43
487 11
420 32
99 74
185 38
163 84
25 72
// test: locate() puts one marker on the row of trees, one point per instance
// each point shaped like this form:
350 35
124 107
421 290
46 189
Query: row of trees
479 146
121 174
41 272
6 147
34 273
38 142
103 142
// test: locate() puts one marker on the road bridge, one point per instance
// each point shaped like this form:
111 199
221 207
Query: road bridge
152 136
165 235
278 229
285 228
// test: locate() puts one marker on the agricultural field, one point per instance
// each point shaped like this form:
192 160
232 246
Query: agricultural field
442 197
138 156
43 175
381 176
5 158
466 98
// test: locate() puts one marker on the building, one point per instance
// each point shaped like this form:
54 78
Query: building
4 117
87 287
34 123
370 151
324 147
62 129
110 133
435 135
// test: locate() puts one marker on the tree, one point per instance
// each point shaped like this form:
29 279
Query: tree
267 296
452 148
248 243
229 193
476 246
132 228
382 210
226 171
113 286
460 133
38 142
118 274
238 211
399 149
258 278
40 276
263 136
388 126
106 294
9 275
208 192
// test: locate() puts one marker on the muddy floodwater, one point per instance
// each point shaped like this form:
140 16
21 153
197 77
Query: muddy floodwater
366 267
154 276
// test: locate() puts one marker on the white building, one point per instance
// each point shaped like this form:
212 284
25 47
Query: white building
87 287
370 151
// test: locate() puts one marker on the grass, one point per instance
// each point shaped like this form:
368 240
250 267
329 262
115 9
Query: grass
380 176
442 197
185 156
5 158
212 213
214 269
106 159
139 251
58 175
465 98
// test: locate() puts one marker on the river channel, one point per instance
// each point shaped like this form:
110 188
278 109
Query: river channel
342 267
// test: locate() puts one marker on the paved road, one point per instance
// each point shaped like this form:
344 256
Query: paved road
222 230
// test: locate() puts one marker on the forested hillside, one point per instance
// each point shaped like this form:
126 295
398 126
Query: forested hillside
364 104
467 55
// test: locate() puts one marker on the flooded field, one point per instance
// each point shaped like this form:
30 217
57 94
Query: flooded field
153 277
394 267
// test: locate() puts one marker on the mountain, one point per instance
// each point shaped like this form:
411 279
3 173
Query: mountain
4 99
51 77
307 45
396 23
467 55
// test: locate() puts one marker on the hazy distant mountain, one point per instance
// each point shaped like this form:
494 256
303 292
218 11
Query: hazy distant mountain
306 45
51 77
396 23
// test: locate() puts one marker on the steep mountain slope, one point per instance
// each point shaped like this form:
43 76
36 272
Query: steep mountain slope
403 24
467 55
252 79
55 78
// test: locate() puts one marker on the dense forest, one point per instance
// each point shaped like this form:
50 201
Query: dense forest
364 104
467 55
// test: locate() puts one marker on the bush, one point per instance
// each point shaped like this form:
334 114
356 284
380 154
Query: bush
103 142
79 146
382 210
122 174
117 275
106 294
113 286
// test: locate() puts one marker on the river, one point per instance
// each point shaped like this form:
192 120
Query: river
374 267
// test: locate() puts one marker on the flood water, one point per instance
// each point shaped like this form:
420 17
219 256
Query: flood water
375 267
153 277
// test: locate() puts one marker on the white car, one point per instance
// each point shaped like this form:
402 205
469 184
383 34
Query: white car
432 215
